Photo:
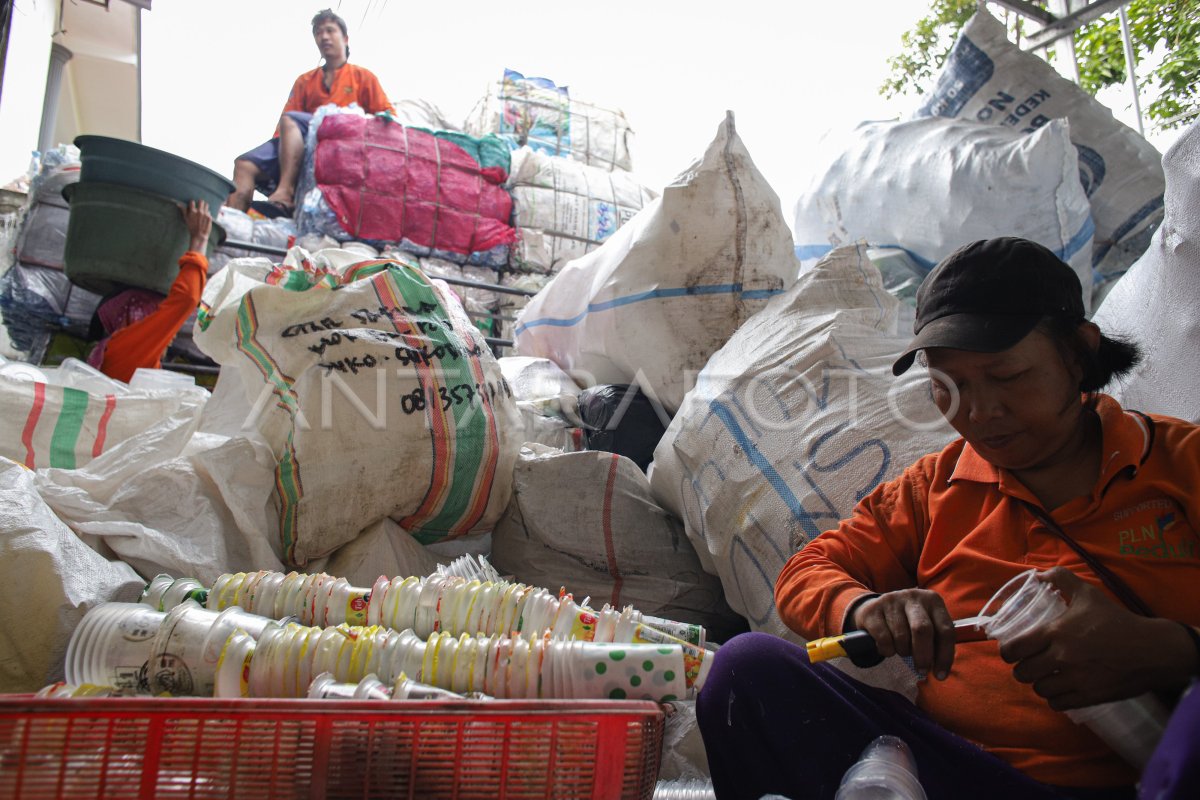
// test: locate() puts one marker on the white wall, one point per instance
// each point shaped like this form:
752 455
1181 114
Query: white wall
24 87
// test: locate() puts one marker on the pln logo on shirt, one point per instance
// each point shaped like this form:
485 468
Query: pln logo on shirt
1165 537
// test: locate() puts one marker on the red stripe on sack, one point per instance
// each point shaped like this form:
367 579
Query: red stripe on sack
39 402
610 550
110 404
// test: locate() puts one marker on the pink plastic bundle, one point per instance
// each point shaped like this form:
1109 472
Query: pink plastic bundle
388 182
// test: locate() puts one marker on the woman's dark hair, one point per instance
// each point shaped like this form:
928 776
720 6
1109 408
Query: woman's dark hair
1114 358
327 15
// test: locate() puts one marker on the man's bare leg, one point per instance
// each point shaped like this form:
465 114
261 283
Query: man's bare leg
245 175
291 153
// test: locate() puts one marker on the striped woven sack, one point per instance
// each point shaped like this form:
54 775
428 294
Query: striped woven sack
376 393
48 425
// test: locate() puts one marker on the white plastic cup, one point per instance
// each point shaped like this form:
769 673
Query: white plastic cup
233 666
112 645
406 689
181 590
885 769
1131 727
183 662
152 595
326 687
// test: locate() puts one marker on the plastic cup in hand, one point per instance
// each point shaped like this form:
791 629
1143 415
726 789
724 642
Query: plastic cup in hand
1131 727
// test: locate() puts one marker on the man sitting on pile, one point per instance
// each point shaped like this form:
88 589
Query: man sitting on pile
273 166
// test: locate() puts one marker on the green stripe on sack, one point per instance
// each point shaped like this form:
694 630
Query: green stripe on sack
66 430
287 473
470 421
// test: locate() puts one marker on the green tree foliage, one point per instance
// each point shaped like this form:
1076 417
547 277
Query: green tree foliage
1170 25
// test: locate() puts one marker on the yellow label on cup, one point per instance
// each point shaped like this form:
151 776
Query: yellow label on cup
583 627
356 606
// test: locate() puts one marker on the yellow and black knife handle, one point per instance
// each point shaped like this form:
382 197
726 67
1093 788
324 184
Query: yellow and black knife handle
858 646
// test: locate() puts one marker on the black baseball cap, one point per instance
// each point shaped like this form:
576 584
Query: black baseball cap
988 295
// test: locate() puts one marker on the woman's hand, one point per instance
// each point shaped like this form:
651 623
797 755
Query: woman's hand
1098 651
199 224
911 622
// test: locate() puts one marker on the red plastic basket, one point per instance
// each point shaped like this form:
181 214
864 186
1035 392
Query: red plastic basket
199 748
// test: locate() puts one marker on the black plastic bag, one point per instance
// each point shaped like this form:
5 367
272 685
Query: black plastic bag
621 419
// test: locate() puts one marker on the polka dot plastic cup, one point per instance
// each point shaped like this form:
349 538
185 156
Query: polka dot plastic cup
618 671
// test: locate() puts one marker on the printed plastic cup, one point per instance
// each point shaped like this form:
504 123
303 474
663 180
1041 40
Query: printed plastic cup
266 593
233 666
152 595
112 645
686 631
178 664
621 671
696 660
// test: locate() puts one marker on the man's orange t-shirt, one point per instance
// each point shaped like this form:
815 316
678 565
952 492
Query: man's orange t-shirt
351 84
955 524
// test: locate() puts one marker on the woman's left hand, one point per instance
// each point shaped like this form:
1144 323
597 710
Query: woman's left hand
1098 651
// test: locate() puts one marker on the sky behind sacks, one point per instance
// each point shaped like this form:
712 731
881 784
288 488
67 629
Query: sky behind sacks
216 73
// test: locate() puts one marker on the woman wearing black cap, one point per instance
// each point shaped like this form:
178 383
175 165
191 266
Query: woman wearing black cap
1048 474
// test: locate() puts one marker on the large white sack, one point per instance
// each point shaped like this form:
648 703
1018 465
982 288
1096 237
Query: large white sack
791 423
588 522
989 79
929 186
48 580
383 548
563 208
198 507
384 398
670 286
1157 302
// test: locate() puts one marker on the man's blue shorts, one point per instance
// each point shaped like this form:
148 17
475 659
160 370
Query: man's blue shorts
266 155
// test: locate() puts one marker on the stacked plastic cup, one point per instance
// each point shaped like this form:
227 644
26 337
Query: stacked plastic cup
68 690
165 592
112 646
1130 727
188 647
885 769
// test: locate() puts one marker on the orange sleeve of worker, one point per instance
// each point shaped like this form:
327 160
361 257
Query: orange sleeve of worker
143 343
371 95
876 550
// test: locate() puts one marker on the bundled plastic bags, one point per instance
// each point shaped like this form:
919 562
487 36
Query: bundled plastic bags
670 286
564 209
929 186
536 113
989 79
434 193
1156 302
374 391
587 521
791 423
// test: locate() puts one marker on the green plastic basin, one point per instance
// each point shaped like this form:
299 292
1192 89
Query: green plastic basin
118 161
118 236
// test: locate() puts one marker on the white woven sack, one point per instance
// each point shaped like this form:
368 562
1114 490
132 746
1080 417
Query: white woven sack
669 287
988 79
564 209
1156 302
588 522
374 390
51 579
791 423
929 186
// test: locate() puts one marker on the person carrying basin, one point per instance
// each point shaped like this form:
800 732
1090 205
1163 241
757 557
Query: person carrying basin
1049 473
133 327
274 166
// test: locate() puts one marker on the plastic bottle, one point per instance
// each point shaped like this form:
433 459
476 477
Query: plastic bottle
1130 727
886 770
